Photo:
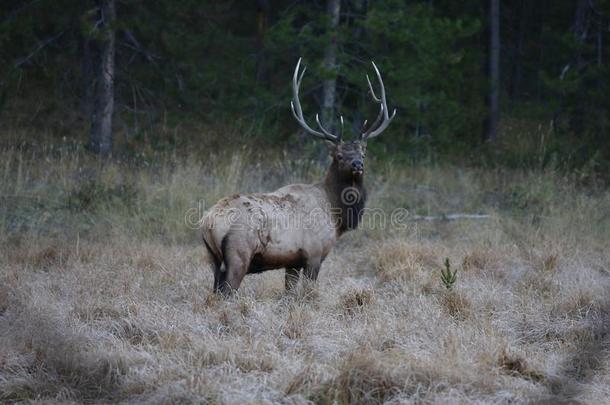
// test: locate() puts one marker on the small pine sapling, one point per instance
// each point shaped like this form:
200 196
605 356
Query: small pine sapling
447 276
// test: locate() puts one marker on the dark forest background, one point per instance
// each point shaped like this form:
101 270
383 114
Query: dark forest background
514 83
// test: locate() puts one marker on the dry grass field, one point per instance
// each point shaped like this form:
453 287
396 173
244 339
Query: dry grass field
104 295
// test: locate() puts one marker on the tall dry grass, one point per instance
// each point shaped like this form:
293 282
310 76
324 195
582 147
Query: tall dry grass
104 296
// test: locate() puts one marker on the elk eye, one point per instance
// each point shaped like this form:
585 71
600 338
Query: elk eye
339 156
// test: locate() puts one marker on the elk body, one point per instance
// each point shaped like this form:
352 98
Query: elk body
296 226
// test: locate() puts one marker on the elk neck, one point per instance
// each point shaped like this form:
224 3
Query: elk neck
347 197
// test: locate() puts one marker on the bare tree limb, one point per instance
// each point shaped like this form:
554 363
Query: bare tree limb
133 43
594 9
39 46
564 71
18 10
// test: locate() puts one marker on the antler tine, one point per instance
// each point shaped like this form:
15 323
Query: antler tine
297 110
374 125
383 119
383 126
301 75
326 132
371 90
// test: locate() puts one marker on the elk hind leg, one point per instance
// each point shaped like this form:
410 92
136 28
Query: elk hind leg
216 263
237 261
220 277
237 268
311 270
291 278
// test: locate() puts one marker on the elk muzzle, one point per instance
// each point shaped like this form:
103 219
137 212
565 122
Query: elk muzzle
357 167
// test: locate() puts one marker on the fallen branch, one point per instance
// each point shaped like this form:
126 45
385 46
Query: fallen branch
448 217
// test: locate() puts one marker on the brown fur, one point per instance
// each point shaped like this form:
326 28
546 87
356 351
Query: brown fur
350 214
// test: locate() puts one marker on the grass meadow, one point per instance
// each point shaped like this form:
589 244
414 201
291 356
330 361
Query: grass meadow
105 296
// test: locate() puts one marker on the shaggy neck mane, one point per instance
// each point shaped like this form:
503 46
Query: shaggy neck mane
347 196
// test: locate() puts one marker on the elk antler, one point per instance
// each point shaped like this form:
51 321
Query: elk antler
383 120
297 111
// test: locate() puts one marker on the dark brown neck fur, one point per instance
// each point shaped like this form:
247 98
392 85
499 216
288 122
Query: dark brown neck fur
347 196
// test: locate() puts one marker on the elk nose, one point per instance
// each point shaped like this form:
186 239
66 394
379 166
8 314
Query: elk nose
357 165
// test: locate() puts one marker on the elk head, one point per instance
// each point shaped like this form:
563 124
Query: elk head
347 157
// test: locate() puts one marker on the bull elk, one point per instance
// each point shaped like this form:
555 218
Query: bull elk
296 226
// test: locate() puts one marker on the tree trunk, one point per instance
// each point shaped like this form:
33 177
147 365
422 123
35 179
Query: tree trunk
354 17
262 14
494 70
329 89
517 68
541 47
580 30
89 57
101 120
358 12
601 116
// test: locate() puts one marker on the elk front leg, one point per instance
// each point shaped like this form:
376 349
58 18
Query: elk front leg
292 278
